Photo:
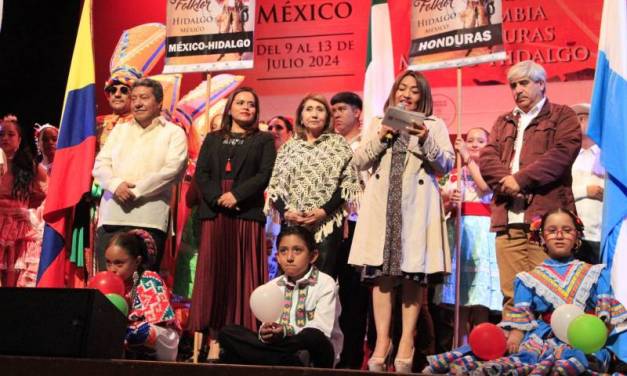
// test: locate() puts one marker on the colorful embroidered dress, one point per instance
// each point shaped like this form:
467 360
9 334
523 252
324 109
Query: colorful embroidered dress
19 257
536 295
153 327
480 272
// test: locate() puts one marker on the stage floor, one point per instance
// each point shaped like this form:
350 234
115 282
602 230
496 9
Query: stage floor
36 366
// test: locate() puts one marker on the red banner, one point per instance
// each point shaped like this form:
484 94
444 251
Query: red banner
319 45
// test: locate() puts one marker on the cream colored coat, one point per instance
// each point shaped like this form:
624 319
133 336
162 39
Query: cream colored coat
424 239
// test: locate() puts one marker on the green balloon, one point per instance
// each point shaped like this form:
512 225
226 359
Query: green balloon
587 333
119 302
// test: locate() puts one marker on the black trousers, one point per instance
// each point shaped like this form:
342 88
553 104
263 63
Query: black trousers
104 234
355 298
240 345
328 249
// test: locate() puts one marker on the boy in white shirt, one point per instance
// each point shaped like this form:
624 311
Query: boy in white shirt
309 321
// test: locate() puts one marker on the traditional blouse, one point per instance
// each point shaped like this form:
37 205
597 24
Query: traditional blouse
311 302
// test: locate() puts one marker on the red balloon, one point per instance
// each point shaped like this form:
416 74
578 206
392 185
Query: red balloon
107 283
487 341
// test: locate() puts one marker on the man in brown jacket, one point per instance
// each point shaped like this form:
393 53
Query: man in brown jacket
527 163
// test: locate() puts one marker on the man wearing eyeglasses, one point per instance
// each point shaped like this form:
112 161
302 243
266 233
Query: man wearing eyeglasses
527 164
118 93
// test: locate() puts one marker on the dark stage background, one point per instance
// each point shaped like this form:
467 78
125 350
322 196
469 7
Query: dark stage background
36 43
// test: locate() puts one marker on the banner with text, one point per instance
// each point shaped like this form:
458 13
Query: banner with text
305 45
453 33
209 35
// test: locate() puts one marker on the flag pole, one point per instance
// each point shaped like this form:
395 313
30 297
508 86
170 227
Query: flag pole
458 217
198 336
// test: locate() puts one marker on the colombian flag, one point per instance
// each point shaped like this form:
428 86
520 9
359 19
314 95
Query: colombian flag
74 160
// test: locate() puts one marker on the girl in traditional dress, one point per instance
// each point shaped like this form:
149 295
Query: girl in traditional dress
400 239
314 178
561 279
309 321
153 331
480 291
232 172
22 187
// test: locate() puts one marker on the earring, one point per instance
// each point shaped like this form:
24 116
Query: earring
135 278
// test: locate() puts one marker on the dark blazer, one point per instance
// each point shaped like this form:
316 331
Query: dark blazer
252 167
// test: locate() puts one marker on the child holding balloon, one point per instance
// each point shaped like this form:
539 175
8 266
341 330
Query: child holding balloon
543 332
153 331
301 319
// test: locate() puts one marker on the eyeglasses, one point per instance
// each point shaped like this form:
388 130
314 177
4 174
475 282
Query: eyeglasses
112 90
566 231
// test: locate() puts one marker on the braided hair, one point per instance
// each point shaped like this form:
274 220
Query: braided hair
137 243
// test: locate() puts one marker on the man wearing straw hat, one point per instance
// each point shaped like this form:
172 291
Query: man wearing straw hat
527 164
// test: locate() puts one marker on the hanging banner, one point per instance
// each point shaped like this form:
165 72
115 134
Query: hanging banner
209 35
454 33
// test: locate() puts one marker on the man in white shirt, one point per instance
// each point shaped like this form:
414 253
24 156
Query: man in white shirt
527 164
137 168
588 187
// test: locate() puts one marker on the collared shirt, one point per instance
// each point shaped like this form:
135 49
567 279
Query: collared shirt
312 303
517 212
152 158
587 170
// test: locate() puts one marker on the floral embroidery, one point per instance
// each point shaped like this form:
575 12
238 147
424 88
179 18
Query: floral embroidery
302 315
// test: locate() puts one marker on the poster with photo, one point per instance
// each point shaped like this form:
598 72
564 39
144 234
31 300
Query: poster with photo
454 33
209 35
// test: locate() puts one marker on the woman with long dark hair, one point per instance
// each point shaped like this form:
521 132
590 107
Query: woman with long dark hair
233 169
21 187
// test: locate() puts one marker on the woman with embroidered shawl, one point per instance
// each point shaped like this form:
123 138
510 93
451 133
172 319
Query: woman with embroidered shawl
313 179
153 331
400 238
561 279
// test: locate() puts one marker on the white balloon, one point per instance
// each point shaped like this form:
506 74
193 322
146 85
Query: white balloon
561 319
266 302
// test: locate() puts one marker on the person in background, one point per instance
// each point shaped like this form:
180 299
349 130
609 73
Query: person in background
588 187
153 331
118 93
400 239
354 296
527 164
282 129
313 179
137 168
46 137
232 172
22 186
313 338
480 290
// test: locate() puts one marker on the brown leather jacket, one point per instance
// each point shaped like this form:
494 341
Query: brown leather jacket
550 145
